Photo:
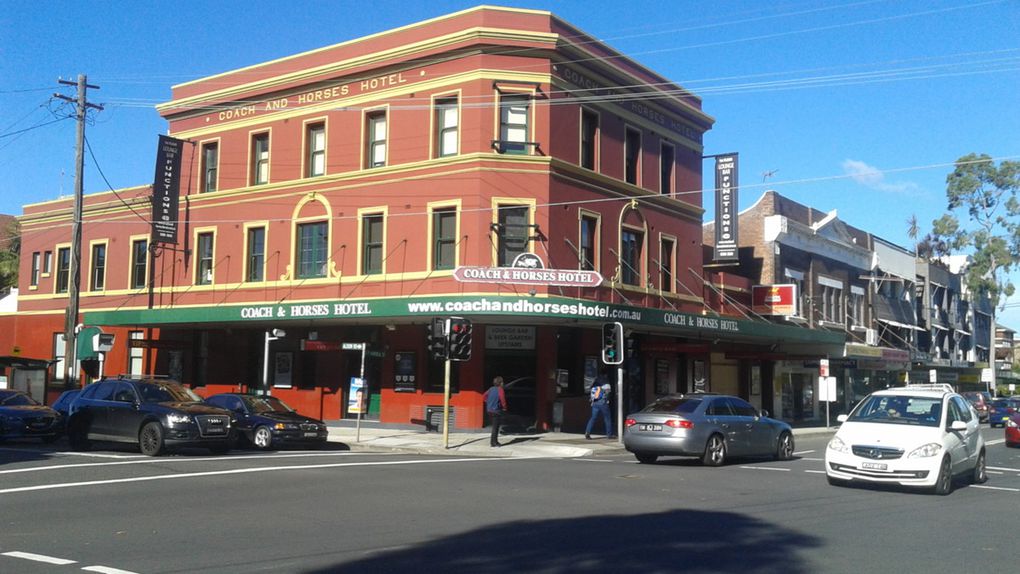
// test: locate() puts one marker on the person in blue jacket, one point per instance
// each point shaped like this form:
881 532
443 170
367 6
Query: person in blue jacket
495 405
599 398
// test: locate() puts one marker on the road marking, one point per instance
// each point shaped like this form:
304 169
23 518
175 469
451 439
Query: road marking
39 558
809 458
97 455
995 488
815 471
107 570
994 471
803 452
591 460
996 441
1005 468
151 460
254 470
757 468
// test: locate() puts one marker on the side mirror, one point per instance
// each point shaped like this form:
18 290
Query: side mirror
958 426
763 413
841 418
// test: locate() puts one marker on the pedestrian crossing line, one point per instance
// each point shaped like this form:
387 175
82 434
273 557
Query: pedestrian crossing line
39 558
106 570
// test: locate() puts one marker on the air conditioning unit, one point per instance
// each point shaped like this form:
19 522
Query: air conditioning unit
871 336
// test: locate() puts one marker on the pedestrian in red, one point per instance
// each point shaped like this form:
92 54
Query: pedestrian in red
495 405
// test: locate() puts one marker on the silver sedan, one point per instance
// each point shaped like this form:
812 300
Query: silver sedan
712 427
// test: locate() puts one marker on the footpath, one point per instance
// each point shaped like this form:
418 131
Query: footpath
374 436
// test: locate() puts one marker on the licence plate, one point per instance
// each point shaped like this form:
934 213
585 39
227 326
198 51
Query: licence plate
311 434
651 427
875 465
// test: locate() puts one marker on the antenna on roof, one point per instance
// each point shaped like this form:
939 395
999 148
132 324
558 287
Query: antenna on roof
767 174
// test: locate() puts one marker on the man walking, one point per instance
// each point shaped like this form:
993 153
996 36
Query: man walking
495 405
599 398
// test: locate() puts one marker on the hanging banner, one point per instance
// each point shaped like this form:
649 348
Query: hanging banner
356 398
725 207
166 189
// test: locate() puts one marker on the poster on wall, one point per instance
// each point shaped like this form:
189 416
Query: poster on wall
755 380
591 371
356 398
282 367
404 372
700 381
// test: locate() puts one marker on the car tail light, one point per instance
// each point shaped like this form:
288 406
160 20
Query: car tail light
679 424
630 422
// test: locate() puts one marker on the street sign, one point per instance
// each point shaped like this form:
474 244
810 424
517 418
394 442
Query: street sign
827 389
353 347
823 368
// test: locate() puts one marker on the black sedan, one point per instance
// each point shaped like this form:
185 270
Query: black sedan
266 422
21 416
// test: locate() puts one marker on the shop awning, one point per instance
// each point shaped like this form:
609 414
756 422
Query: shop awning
900 325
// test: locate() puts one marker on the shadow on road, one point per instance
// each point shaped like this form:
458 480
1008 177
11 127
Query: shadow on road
676 541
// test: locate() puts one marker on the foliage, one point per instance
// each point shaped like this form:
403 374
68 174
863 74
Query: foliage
991 230
10 248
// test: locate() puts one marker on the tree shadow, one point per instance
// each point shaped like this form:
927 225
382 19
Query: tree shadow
674 541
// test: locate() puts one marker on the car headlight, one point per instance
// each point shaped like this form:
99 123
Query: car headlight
838 445
176 419
285 426
1011 423
925 451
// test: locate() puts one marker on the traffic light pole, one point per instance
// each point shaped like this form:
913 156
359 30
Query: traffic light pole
619 404
446 403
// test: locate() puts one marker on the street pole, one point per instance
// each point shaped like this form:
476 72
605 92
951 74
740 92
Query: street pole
446 403
364 388
619 404
74 269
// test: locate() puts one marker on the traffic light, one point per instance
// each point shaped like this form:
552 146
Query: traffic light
435 338
612 343
459 335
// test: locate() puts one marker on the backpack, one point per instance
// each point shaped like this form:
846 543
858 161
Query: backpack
598 394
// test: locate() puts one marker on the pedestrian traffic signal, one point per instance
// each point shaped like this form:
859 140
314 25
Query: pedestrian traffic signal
612 343
435 339
459 335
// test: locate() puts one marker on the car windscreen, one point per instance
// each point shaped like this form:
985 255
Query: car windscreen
166 393
898 409
261 405
673 405
17 400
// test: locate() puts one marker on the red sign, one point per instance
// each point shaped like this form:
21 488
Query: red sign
774 299
310 345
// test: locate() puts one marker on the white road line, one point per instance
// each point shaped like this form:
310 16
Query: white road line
151 460
994 471
803 452
996 441
815 471
752 468
97 455
995 487
1005 468
251 471
591 460
39 558
808 458
107 570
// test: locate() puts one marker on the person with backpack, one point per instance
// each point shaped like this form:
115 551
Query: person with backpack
599 398
495 405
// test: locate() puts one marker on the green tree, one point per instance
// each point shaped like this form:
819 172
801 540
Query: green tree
10 249
990 232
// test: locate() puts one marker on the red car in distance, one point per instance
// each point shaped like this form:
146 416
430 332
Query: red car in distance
1013 430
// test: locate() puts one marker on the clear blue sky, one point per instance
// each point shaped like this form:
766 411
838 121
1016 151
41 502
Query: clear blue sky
858 106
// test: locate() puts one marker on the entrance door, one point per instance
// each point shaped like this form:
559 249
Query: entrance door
519 385
798 396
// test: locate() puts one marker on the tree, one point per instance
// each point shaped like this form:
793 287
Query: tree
991 230
10 248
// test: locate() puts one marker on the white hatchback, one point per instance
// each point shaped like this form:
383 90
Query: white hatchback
918 435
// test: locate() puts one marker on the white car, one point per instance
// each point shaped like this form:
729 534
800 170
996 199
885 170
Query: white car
918 435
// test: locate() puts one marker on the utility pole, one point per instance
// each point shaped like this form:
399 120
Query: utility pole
74 271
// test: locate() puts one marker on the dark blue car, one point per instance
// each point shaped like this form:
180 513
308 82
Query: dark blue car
21 416
266 422
999 411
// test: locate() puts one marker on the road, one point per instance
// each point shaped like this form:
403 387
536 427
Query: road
115 511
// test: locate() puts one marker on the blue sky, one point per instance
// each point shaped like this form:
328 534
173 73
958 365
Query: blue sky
855 105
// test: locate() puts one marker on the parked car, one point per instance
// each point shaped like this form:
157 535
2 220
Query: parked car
63 404
712 427
21 416
266 422
1013 430
155 414
980 400
999 411
917 436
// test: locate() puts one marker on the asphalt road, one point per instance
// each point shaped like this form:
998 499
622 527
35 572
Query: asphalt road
337 511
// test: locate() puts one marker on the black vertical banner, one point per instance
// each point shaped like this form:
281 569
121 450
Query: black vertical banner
726 207
166 189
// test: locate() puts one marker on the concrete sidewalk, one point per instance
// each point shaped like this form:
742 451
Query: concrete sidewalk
374 436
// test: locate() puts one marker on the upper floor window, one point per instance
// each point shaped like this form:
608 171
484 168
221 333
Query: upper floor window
631 244
514 231
856 306
372 244
444 239
312 249
97 278
589 242
315 140
632 155
666 163
796 278
513 123
59 354
33 279
260 159
376 128
63 269
139 259
205 259
447 123
589 138
256 257
136 355
47 263
667 254
210 166
831 304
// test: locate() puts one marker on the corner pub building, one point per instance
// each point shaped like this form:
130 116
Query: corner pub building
496 164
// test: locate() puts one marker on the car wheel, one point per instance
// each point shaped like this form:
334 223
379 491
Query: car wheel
645 458
150 440
980 470
715 451
784 448
263 438
944 482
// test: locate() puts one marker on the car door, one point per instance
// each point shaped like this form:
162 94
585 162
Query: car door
971 435
721 415
95 413
124 417
955 441
242 420
760 439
